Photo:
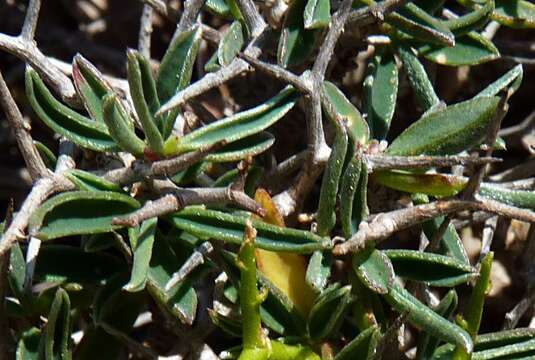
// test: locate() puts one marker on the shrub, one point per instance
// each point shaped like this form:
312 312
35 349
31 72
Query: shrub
155 213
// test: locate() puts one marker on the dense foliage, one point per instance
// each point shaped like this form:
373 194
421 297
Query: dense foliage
153 212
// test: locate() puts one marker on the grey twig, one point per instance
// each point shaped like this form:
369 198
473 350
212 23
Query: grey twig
29 53
168 167
385 224
145 31
520 171
192 196
21 130
164 9
30 21
368 15
195 260
336 28
253 19
189 16
488 236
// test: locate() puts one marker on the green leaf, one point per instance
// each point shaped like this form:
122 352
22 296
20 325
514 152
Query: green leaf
75 127
282 351
296 43
235 127
471 21
424 91
375 270
181 301
57 332
414 21
449 131
141 242
317 14
328 312
99 242
431 269
503 338
218 7
381 90
429 184
28 345
79 212
231 326
515 13
351 185
212 65
144 98
90 182
229 228
243 148
423 317
121 126
357 128
426 343
231 44
91 86
177 64
518 198
510 80
470 49
361 347
319 270
76 265
17 271
46 154
519 351
326 215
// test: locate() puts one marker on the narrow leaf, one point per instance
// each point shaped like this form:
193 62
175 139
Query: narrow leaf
75 127
235 127
424 91
28 345
144 98
328 311
317 14
57 332
349 194
510 80
326 215
425 318
375 270
431 269
449 131
357 128
471 21
91 86
296 43
429 184
381 89
414 21
87 181
141 242
229 228
79 212
231 44
177 64
470 49
518 198
515 13
361 347
319 270
250 146
120 126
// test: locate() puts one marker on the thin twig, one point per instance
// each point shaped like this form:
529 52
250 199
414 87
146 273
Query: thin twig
368 15
192 196
145 31
384 225
336 28
255 22
189 16
488 236
164 9
30 21
21 129
29 53
168 167
195 260
520 171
